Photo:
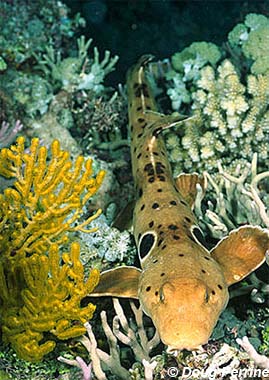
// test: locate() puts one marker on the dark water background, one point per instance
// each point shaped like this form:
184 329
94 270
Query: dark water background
131 28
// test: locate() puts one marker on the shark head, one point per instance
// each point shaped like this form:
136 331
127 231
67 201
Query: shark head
187 312
184 309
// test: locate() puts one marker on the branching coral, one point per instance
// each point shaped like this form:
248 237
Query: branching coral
47 200
39 293
231 120
50 302
132 335
229 99
238 200
78 73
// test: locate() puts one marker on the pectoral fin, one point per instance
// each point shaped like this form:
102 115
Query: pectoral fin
241 252
187 185
118 282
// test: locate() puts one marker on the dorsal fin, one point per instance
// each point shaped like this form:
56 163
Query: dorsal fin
118 282
186 184
241 252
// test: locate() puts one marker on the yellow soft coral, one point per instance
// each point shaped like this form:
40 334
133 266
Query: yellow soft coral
51 302
47 200
41 289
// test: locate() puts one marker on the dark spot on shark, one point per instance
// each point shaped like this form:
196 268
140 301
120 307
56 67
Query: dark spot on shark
160 225
155 205
173 203
181 254
162 274
206 257
156 293
160 190
140 192
159 170
151 180
142 207
135 148
139 108
164 246
155 261
172 227
148 167
187 219
141 120
151 224
176 237
220 287
146 244
131 128
161 178
144 126
140 135
148 288
161 232
181 201
139 155
203 271
213 292
156 154
160 242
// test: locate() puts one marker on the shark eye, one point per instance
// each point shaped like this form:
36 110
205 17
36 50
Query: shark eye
146 244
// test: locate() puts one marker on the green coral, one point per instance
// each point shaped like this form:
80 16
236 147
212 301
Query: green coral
186 67
252 39
78 73
195 56
27 29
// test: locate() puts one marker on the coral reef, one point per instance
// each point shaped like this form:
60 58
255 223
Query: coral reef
228 98
81 72
39 293
48 302
133 335
27 29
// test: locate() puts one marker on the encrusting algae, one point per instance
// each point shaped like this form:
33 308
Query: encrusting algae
41 288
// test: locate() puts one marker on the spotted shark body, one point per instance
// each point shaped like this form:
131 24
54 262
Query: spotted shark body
182 286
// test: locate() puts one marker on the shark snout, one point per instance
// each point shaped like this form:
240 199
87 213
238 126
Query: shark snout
184 318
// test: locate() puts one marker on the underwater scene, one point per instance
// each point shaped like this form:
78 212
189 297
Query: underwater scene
134 189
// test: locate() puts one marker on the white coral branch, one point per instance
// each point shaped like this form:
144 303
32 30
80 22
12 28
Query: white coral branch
260 360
